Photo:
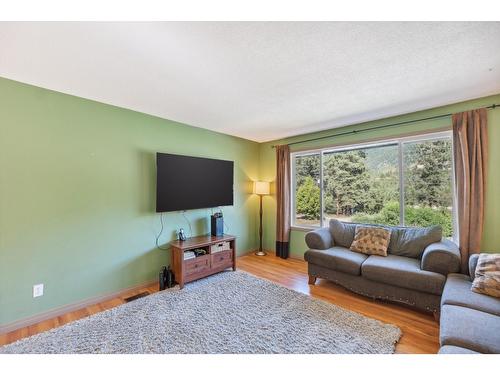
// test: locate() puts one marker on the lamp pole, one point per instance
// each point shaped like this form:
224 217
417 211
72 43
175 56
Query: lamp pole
260 252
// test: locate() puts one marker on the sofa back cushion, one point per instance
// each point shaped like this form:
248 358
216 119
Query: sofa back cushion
472 266
411 242
342 232
405 241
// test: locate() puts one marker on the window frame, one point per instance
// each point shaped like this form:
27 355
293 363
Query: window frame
399 142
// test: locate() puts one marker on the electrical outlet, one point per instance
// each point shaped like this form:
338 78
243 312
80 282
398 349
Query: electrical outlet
37 290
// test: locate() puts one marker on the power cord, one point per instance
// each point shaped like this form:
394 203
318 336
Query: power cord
157 240
189 223
159 234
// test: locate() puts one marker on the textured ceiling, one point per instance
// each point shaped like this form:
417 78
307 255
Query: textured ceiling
260 80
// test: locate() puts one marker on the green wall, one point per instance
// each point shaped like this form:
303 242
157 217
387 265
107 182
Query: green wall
77 196
491 236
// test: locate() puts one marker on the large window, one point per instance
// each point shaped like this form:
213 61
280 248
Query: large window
406 181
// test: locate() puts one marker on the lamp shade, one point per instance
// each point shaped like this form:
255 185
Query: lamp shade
261 187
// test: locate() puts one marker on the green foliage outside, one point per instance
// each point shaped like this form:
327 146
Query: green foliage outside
363 185
347 184
306 166
428 171
307 199
414 216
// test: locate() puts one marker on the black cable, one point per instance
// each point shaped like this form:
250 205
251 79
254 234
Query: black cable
159 234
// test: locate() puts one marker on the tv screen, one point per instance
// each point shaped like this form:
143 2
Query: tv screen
186 182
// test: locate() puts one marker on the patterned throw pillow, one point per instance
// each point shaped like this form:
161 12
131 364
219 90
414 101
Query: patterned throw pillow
487 277
371 240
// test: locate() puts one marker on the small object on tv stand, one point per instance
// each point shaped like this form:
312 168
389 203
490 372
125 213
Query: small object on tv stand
217 224
182 235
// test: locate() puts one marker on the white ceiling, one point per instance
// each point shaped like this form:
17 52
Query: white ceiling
259 81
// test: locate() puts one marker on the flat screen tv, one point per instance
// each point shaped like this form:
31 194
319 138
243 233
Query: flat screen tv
186 182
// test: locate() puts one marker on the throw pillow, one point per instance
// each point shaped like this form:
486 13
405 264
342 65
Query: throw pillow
487 277
371 240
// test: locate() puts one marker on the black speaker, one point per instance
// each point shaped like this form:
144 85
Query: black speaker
167 278
162 278
217 225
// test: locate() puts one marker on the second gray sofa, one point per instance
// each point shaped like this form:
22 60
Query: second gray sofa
470 322
413 273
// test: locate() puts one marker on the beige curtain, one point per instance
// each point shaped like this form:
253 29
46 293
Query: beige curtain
470 154
283 200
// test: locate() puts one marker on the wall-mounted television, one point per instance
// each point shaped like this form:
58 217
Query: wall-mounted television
186 182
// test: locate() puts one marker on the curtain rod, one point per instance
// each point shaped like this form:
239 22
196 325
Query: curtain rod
493 106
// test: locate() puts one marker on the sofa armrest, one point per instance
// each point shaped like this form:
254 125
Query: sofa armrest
472 266
319 239
441 257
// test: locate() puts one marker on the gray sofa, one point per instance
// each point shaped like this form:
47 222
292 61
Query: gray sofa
470 322
414 272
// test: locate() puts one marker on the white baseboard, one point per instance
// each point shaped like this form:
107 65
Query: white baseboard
25 322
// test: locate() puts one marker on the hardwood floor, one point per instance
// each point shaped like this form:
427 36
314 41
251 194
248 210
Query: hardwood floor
18 334
420 330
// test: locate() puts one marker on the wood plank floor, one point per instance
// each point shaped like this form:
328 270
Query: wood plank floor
420 331
18 334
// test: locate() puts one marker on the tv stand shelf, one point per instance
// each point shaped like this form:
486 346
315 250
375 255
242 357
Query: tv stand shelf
203 265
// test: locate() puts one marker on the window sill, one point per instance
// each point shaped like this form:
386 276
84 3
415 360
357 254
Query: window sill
303 229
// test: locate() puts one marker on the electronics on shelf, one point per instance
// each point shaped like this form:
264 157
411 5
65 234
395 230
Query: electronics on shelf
191 254
199 252
217 224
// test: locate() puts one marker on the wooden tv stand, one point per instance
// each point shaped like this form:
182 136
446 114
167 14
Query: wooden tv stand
204 265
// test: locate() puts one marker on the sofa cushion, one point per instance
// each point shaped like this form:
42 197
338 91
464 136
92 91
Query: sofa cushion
403 272
470 329
337 258
457 291
371 240
411 242
472 266
451 349
342 233
487 275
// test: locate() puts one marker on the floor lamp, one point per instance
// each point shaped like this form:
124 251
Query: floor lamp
261 188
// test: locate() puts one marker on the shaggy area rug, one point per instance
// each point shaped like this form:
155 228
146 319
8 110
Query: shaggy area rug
231 312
